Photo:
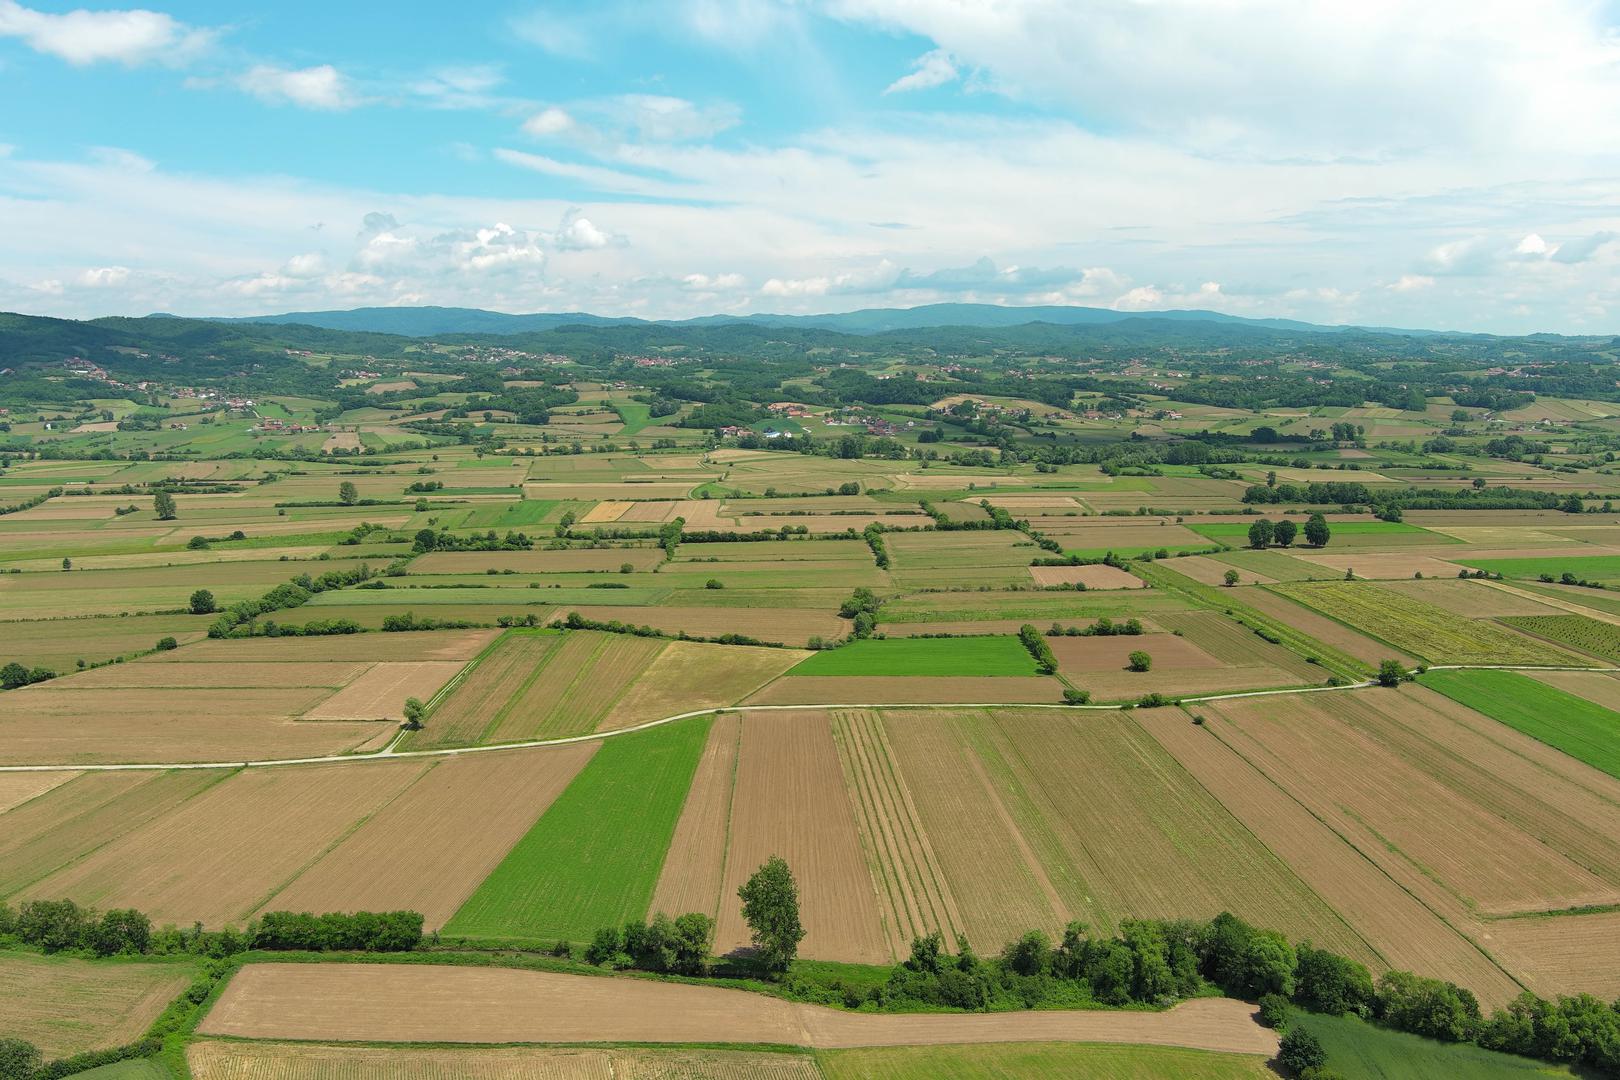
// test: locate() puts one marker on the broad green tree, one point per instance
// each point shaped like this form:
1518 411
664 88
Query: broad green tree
1317 532
163 503
348 494
770 906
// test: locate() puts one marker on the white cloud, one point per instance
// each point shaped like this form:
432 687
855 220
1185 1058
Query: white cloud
671 119
576 233
928 71
469 86
715 282
548 122
82 37
1411 283
1532 244
1141 298
104 277
322 87
1578 251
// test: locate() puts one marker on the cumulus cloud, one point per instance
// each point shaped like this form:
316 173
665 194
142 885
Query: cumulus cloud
928 71
548 122
576 233
1410 283
104 277
322 87
130 37
712 283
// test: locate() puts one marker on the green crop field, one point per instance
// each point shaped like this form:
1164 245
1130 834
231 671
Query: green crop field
1587 634
1586 567
593 858
1038 1061
1441 637
1580 728
923 656
1357 1050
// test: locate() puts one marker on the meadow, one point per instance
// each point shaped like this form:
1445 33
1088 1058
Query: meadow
960 656
1358 1050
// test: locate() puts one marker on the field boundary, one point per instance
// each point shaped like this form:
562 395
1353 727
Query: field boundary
389 754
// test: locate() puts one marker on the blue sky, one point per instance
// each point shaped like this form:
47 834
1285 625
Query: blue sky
1443 164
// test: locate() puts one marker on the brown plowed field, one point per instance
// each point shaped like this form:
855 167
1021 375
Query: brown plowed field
67 1007
79 817
18 788
1204 569
907 690
1000 885
421 645
1088 654
430 848
1323 749
418 1003
1398 930
44 725
303 1061
1096 576
380 693
476 704
913 892
694 870
790 801
1322 628
1564 954
190 865
245 674
688 676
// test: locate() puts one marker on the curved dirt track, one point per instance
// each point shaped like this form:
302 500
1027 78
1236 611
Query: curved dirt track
422 1003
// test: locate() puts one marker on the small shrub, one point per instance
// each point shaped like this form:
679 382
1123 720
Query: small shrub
1140 661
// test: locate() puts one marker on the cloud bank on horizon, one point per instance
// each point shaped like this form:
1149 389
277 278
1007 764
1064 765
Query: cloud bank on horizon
1450 163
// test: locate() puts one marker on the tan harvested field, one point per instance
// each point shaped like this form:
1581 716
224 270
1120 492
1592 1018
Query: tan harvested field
246 675
188 865
689 675
419 1003
1486 833
1204 569
1563 954
604 512
1601 688
1096 576
428 849
913 893
305 1061
1472 599
58 643
908 690
1088 654
18 788
694 870
1328 631
790 627
1127 537
573 561
421 645
575 686
45 725
1378 565
65 1006
380 693
1398 929
475 706
790 800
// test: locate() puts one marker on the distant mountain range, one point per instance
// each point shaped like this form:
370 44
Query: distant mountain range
436 321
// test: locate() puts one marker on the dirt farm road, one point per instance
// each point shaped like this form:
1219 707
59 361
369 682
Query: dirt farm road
389 754
424 1003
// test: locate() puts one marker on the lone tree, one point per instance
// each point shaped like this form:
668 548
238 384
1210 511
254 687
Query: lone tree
415 713
202 603
1140 661
1317 532
1260 534
348 494
1230 577
1285 532
1391 673
67 564
770 901
163 503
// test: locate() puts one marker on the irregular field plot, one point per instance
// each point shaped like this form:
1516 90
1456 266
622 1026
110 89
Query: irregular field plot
1580 631
1580 728
66 1006
471 710
245 675
1038 1061
975 656
1094 576
430 848
18 788
593 858
1411 625
907 690
303 1061
380 693
58 643
690 675
780 622
188 865
1357 1050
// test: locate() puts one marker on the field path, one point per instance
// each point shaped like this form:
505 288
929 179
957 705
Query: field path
390 754
422 1003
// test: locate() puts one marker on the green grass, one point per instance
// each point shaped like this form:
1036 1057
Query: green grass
1588 567
923 656
513 515
1239 530
1582 729
1357 1050
634 415
134 1069
1587 634
1038 1061
593 858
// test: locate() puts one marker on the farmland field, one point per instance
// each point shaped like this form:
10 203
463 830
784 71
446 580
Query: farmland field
1357 1050
963 656
583 865
67 1006
218 1060
1582 729
1039 1061
1420 629
1588 566
1601 639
